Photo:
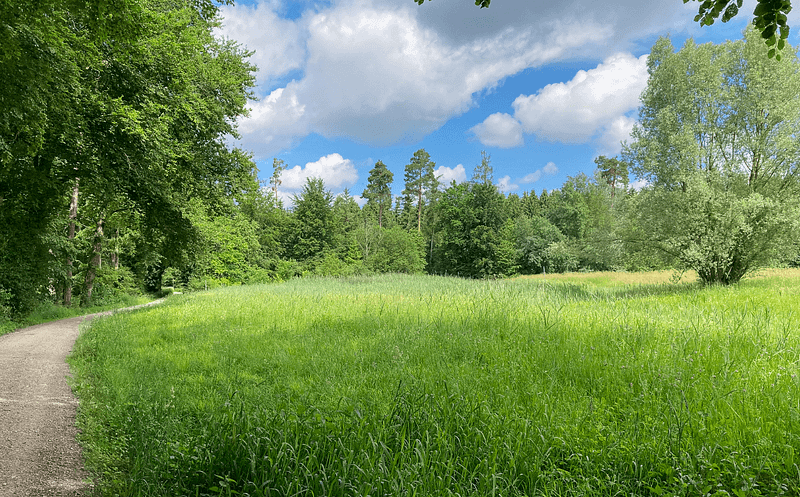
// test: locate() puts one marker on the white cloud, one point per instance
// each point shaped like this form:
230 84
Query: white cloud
278 43
505 185
616 132
447 175
335 171
550 168
499 130
274 122
590 103
532 177
374 73
639 184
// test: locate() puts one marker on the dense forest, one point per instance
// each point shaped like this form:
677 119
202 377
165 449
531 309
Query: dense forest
117 175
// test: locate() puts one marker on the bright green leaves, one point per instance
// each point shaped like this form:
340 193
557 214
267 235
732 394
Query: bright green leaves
710 10
769 18
717 142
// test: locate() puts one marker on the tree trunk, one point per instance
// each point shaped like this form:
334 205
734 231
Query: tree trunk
73 215
115 254
91 273
419 211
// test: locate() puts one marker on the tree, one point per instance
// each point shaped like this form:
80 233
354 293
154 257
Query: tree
613 171
475 240
137 107
398 251
533 236
379 189
717 142
483 172
313 221
769 17
421 183
278 167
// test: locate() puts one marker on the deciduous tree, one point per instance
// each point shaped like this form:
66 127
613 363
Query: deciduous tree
717 140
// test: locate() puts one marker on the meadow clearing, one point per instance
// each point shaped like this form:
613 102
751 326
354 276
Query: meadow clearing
583 384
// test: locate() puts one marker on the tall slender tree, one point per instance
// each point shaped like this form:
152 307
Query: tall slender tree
379 189
421 183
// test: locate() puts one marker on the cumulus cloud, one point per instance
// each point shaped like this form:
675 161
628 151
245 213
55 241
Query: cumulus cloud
372 72
447 175
617 131
589 104
550 168
335 171
505 185
532 177
278 44
499 130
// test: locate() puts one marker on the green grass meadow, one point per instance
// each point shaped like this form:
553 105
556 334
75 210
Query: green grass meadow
423 385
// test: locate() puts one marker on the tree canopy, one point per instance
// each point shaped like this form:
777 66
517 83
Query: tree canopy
717 140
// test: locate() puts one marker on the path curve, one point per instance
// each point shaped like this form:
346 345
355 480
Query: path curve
39 452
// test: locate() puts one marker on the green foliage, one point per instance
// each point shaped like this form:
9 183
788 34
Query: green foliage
534 235
135 106
313 227
379 190
717 141
421 186
435 386
398 251
470 227
769 18
483 173
561 257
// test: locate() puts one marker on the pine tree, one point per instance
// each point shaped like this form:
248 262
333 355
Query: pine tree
379 189
420 181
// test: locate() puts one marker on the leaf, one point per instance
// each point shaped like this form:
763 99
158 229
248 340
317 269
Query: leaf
730 12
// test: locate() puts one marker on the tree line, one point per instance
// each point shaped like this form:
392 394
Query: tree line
117 177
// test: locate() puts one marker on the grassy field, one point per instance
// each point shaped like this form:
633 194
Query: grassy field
400 385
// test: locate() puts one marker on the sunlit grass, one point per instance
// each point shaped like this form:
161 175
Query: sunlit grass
403 385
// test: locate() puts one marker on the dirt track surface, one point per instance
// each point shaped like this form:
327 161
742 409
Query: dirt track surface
39 453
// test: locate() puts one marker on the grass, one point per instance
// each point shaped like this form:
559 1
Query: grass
422 385
48 311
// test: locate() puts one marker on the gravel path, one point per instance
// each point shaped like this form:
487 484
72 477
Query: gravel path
39 453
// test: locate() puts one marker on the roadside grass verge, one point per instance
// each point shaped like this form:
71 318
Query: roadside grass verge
48 311
423 385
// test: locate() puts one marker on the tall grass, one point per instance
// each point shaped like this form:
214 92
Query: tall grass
415 385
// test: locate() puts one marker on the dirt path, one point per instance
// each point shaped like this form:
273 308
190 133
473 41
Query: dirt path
39 454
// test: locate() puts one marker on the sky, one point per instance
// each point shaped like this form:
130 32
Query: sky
543 87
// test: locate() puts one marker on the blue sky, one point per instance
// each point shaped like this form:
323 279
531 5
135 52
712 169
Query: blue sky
543 87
